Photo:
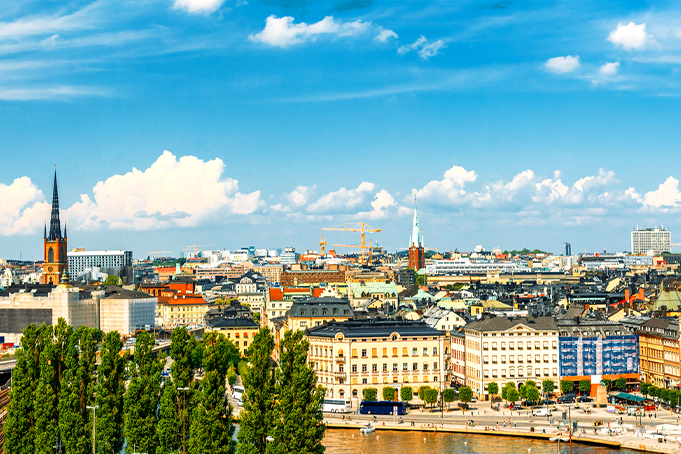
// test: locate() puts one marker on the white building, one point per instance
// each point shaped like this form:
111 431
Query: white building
110 262
289 256
468 266
501 349
657 240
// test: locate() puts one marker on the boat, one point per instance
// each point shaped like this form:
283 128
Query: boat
368 429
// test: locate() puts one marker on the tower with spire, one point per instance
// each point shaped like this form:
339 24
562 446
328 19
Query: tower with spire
54 263
417 258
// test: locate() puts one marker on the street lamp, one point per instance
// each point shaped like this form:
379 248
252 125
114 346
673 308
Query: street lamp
269 439
94 419
184 410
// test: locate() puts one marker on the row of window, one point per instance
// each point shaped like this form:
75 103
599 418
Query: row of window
511 359
511 345
521 372
395 367
405 352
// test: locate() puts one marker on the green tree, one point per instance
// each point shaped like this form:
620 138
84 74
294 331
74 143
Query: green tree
449 395
111 280
231 376
653 390
389 393
77 391
531 393
621 383
169 425
422 391
212 429
47 394
143 396
547 386
644 388
257 418
505 389
431 396
406 393
299 424
608 383
110 390
421 279
370 394
566 386
182 346
584 386
493 389
20 424
512 395
465 395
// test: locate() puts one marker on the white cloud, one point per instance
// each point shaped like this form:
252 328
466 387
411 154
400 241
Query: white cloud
301 195
450 188
23 210
610 69
425 48
342 200
282 32
382 201
560 65
199 6
385 35
47 25
630 36
666 195
170 193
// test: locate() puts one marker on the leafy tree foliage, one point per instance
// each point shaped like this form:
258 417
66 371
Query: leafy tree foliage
47 394
406 393
531 393
257 418
143 395
449 395
621 383
584 386
231 376
506 388
298 423
493 388
110 390
430 396
182 346
212 429
111 280
389 393
644 388
566 386
370 394
169 425
548 386
465 394
512 395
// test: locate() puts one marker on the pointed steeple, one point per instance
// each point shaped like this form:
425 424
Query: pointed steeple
65 236
416 239
45 235
55 225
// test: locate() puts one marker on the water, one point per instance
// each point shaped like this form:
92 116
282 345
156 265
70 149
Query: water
338 441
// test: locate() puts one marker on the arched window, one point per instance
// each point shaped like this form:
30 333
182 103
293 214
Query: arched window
50 256
341 393
354 393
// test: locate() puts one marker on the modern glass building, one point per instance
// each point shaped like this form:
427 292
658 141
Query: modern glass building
657 239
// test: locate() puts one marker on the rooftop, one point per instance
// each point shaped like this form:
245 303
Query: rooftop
375 327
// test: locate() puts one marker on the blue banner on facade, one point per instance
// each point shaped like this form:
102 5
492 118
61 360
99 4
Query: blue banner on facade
598 356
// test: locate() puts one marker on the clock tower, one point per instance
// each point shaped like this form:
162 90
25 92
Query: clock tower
54 262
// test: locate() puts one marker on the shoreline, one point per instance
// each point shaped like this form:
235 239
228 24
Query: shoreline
637 444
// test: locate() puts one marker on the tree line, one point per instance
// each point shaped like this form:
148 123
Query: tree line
59 388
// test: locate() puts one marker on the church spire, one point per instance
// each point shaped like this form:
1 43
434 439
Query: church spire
55 224
416 239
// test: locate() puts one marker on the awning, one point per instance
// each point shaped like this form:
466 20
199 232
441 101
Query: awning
631 397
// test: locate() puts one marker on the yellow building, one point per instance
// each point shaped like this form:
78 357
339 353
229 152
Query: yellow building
354 355
187 310
656 337
239 330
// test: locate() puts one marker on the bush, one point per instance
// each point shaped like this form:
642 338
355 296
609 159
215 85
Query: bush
389 393
406 394
370 394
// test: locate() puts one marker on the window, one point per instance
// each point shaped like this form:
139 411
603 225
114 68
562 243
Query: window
364 367
434 366
394 351
394 367
335 311
245 344
364 353
503 345
494 359
385 352
415 366
364 381
354 367
511 345
354 353
425 366
405 366
434 350
405 351
415 351
503 359
374 367
494 345
373 353
425 351
303 323
485 346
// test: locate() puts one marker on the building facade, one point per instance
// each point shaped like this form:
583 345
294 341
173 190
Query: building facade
502 349
239 330
110 262
658 337
354 355
656 239
54 244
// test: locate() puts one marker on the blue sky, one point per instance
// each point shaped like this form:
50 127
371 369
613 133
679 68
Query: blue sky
240 122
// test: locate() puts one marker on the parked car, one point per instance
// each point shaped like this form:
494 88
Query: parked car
567 398
548 402
541 412
514 406
584 399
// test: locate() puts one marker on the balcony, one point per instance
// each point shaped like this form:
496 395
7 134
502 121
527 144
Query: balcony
339 374
447 356
340 358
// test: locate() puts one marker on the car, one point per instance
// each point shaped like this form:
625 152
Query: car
566 400
548 402
584 399
514 406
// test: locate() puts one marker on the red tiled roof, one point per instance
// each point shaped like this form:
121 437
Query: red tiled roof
276 294
317 292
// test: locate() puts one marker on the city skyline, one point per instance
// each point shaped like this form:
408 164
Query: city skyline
513 125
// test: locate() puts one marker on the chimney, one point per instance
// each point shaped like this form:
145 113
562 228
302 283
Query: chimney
641 294
626 294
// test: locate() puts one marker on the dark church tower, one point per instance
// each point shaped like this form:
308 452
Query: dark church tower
54 263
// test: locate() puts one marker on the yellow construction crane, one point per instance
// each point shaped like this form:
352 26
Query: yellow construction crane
359 227
323 243
369 254
159 252
196 247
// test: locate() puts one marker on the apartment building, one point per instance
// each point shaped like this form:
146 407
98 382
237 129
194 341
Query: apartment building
353 355
659 351
187 310
502 349
313 312
239 330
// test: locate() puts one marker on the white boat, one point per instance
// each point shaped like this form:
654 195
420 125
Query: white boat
368 429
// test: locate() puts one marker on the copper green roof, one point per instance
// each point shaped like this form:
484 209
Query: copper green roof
671 299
